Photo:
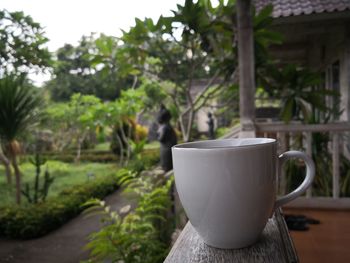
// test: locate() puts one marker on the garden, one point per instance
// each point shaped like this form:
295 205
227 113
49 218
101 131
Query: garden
92 128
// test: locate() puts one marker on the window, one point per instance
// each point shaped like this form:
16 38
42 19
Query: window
333 83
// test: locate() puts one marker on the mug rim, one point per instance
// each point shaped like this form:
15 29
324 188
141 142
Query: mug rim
249 143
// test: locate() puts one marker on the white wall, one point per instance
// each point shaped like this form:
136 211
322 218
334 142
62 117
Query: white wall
202 118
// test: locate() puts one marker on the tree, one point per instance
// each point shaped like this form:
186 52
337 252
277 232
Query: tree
296 87
73 72
22 51
174 63
21 44
19 111
86 114
113 65
219 38
57 117
196 42
7 164
120 116
96 66
74 120
82 108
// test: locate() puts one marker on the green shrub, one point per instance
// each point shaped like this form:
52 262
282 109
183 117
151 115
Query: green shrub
39 191
143 235
35 220
145 160
222 131
151 156
70 158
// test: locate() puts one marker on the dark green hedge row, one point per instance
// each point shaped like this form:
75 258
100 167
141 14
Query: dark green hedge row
69 158
35 220
83 152
97 156
150 157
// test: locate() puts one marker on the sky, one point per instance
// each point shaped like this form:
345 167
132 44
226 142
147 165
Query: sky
65 21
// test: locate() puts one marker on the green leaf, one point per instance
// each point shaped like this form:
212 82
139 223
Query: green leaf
287 110
264 18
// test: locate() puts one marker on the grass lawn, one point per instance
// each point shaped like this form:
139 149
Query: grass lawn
152 145
65 174
105 146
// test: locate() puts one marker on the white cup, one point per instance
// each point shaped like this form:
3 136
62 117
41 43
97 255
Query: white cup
228 187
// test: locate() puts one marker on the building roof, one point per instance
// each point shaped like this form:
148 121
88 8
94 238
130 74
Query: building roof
285 8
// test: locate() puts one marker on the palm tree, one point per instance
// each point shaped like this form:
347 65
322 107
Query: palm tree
7 165
299 89
19 111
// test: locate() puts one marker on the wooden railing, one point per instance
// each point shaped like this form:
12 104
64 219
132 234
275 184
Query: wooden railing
233 133
275 244
283 131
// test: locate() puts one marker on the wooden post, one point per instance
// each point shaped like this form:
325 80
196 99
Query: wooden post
282 180
309 153
180 215
180 218
246 68
335 158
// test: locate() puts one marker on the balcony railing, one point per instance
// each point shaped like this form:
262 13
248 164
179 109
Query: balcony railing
190 248
274 245
286 132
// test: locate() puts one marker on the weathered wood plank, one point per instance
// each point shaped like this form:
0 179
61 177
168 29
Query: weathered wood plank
274 245
335 161
246 67
288 245
181 218
320 203
282 180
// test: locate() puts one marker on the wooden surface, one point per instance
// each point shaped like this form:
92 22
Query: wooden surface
275 245
327 242
309 153
342 203
335 165
246 67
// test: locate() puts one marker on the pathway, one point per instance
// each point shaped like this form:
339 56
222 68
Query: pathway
64 245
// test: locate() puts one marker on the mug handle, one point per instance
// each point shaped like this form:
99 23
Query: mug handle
310 174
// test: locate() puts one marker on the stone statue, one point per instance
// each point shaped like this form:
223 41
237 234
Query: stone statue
166 137
210 122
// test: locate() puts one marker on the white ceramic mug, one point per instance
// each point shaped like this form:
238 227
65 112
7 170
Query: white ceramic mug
228 187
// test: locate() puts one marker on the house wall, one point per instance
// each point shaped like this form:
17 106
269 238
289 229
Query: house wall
345 77
326 50
317 45
202 118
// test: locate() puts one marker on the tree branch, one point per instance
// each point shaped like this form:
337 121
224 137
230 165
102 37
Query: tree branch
202 93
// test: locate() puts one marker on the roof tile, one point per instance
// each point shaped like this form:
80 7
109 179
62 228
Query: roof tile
299 7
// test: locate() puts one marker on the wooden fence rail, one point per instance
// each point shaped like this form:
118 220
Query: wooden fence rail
281 131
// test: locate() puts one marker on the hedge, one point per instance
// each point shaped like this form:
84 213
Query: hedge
35 220
96 156
70 158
